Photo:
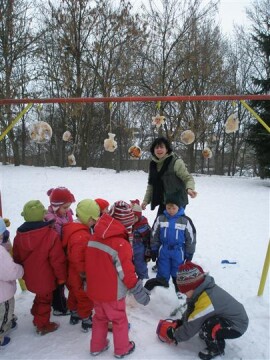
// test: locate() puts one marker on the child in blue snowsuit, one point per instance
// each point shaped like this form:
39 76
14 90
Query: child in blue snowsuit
173 241
141 241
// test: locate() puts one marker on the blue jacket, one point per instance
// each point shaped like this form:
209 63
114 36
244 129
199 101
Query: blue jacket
174 232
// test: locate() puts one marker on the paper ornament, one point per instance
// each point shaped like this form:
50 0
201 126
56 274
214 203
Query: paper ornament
158 121
207 153
187 137
232 124
71 160
110 144
40 132
67 136
135 152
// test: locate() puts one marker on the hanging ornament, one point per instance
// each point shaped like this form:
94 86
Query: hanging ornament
40 132
158 121
135 152
232 124
187 137
67 136
71 160
207 153
110 144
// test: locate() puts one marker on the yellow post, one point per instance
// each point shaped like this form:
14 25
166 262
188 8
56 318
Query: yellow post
255 115
265 271
14 122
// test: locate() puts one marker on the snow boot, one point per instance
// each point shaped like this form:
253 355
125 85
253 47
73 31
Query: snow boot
86 324
132 348
4 342
74 318
50 327
209 354
95 353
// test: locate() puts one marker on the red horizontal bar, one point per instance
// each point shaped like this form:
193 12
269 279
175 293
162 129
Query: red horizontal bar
135 99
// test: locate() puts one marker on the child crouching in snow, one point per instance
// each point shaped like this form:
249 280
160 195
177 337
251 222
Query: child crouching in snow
9 272
211 312
110 273
60 212
38 248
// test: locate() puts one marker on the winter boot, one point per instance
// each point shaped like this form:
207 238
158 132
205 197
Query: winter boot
50 327
86 324
209 354
131 349
61 313
74 318
4 342
95 353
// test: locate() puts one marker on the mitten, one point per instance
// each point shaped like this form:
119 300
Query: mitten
147 255
170 333
188 257
178 323
154 255
140 293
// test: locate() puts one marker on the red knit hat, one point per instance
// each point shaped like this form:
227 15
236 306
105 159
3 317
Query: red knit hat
103 204
122 212
60 196
189 277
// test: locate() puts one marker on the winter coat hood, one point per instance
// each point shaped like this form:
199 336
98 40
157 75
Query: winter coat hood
71 229
108 227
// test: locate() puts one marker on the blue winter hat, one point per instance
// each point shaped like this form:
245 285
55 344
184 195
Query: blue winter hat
2 226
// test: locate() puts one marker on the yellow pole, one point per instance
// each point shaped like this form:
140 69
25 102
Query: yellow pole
265 271
255 115
14 122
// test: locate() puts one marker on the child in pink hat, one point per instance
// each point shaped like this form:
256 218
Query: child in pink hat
60 213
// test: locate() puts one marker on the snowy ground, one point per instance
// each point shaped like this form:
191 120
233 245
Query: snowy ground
232 220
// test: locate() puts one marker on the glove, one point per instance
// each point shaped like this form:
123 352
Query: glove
140 293
147 255
188 257
170 333
7 222
154 255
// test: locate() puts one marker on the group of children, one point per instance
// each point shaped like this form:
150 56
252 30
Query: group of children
99 255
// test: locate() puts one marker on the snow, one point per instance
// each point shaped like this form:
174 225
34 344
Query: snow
232 220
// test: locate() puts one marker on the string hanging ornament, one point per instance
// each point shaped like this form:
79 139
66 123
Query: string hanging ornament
40 132
232 122
207 153
135 152
187 137
158 120
110 144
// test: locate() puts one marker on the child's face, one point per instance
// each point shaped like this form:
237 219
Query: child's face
105 211
136 219
172 209
160 151
63 209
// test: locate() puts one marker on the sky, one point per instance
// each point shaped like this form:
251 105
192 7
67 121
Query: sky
231 215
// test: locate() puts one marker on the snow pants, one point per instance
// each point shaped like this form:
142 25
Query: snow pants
114 311
139 260
6 316
169 259
41 309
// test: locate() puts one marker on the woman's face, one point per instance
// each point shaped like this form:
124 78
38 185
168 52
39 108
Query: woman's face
160 151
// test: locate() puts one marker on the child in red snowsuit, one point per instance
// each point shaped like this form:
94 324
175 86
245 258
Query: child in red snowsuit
37 247
75 238
110 273
60 212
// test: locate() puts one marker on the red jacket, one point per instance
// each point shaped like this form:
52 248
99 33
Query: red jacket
37 247
109 267
75 237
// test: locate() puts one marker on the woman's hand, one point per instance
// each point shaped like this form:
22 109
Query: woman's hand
143 205
192 193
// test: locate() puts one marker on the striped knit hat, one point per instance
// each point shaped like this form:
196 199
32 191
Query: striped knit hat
122 212
189 277
60 196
